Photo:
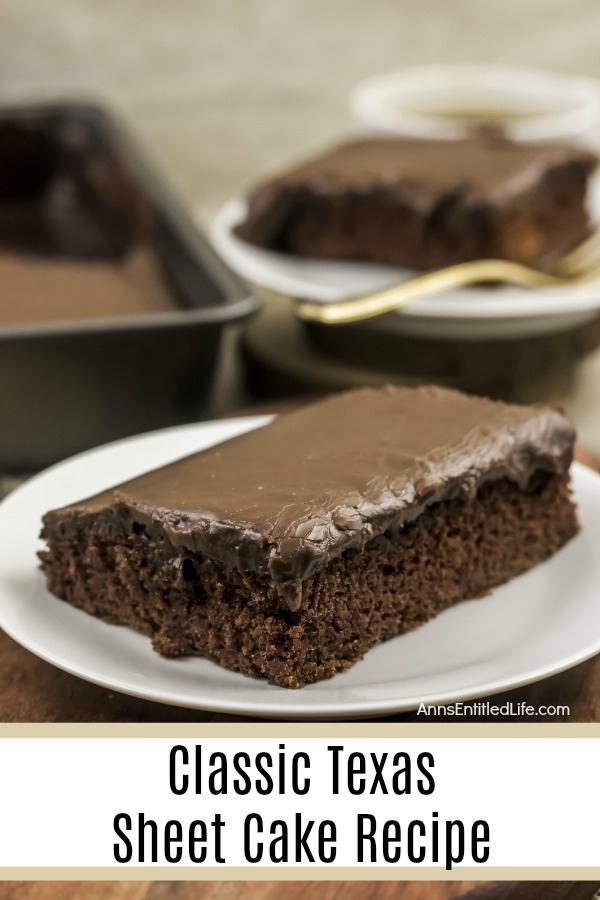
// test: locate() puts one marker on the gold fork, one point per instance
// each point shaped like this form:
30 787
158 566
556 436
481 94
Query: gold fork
576 267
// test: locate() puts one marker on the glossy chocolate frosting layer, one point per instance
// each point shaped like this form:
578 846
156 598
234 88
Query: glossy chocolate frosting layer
285 499
37 289
489 166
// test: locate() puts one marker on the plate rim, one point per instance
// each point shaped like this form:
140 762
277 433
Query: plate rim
277 709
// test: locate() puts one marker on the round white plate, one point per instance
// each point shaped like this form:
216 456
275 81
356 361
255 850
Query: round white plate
540 623
470 312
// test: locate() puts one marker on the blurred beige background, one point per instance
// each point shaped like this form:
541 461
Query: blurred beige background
224 90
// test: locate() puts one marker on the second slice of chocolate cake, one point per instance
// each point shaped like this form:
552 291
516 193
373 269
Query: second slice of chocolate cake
288 552
426 204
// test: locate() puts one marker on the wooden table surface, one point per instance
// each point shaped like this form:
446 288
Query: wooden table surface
233 890
34 691
297 890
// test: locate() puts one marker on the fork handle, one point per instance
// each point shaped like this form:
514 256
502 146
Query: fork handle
367 307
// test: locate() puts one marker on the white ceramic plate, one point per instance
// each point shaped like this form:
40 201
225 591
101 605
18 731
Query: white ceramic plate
472 312
541 623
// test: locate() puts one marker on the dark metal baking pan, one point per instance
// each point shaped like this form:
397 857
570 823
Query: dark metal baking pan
72 384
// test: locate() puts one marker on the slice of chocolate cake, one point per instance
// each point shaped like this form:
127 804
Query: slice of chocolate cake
289 551
427 204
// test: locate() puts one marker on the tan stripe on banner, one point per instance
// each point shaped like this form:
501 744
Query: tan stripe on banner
282 730
296 873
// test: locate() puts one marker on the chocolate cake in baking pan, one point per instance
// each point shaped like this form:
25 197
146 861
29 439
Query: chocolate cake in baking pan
286 553
425 203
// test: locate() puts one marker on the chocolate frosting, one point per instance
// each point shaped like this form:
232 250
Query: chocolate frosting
37 289
285 499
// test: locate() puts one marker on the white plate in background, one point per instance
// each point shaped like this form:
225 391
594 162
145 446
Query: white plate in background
470 312
540 623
